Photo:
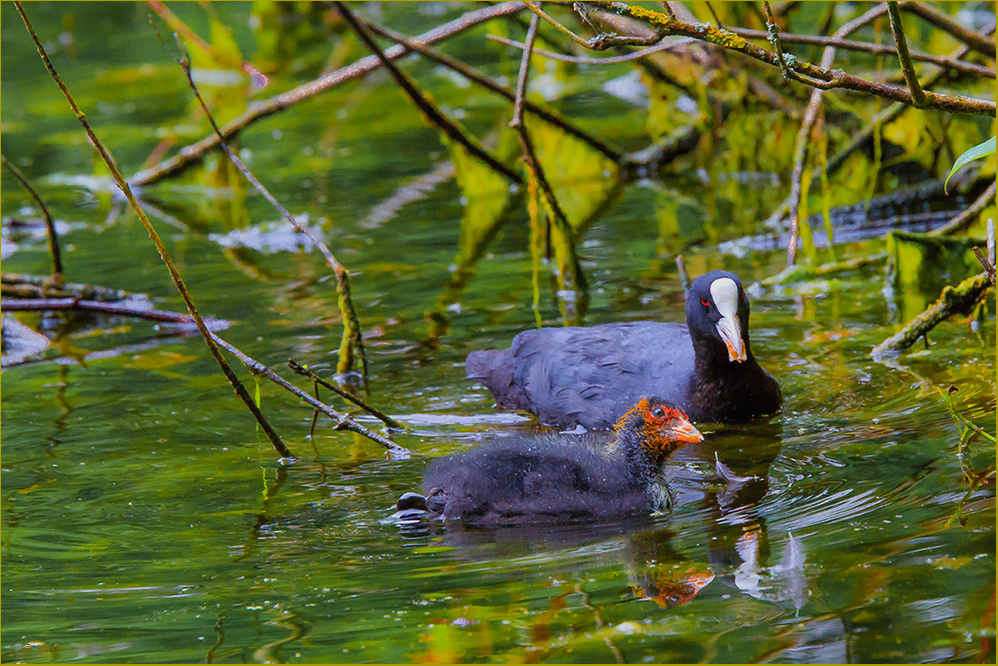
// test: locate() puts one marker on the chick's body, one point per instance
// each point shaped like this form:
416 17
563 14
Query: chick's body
555 479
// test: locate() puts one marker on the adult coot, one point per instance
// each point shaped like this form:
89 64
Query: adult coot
556 479
591 375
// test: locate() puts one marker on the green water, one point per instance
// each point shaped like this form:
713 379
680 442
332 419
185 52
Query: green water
144 518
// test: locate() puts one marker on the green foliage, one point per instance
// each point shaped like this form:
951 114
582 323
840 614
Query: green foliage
578 175
975 153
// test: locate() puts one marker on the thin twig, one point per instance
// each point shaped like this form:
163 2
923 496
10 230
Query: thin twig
987 265
374 411
208 336
526 143
867 47
194 153
973 40
811 114
577 280
785 60
609 60
351 340
478 77
558 26
46 215
907 67
431 112
343 421
713 12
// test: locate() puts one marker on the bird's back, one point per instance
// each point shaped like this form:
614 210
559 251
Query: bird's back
534 480
588 375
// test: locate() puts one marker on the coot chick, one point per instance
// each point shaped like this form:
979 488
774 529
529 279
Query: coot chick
555 479
590 375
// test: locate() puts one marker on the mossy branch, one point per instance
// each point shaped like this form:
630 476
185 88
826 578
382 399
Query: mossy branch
907 66
799 69
954 300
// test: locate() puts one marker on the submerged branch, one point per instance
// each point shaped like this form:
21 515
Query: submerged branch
967 217
799 272
208 336
20 285
105 307
46 215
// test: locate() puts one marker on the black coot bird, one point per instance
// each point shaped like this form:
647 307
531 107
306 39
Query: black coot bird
590 375
556 479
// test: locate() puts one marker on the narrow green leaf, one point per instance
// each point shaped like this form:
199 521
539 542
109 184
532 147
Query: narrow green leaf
974 153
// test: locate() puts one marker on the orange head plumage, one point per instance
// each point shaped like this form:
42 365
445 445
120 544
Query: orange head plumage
657 426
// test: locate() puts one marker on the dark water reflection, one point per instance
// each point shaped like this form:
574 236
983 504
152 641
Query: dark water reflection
145 520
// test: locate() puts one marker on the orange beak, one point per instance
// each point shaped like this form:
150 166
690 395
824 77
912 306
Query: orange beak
683 431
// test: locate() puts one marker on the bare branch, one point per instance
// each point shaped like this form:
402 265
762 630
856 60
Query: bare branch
973 40
478 77
319 381
429 110
208 336
611 60
194 153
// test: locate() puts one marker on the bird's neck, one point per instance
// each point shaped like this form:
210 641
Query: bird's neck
712 363
641 465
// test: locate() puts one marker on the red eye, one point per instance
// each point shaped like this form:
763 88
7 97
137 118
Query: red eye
704 302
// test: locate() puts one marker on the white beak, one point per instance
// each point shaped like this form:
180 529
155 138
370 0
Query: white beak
731 332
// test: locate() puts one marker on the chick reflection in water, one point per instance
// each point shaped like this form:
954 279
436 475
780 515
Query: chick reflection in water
554 479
